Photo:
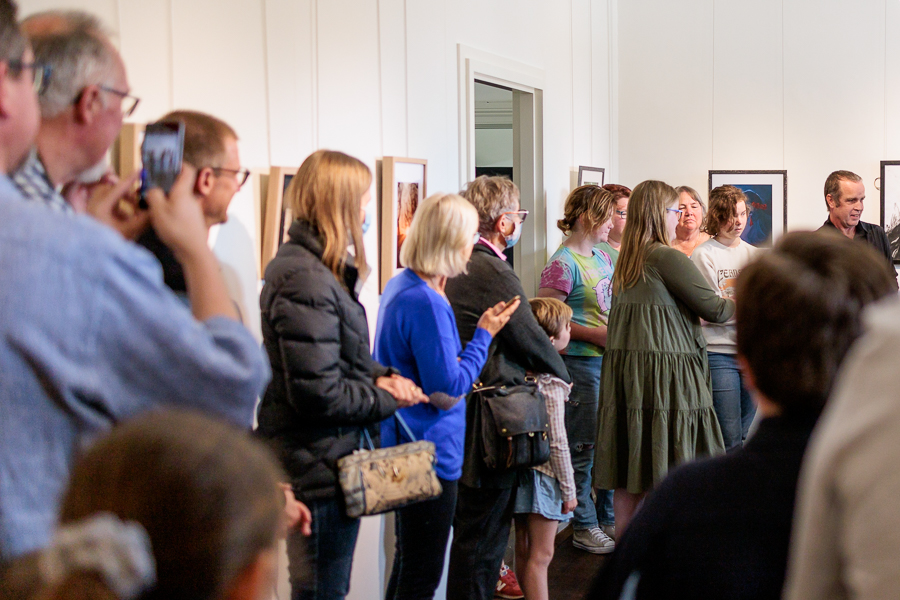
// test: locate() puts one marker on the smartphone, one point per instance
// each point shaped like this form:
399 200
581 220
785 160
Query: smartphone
161 155
508 304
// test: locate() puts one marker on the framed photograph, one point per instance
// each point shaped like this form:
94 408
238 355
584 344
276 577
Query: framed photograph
277 219
591 175
890 205
403 186
766 202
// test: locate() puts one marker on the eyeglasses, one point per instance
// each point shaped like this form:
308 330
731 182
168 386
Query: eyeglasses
40 74
676 211
622 213
240 175
522 214
129 102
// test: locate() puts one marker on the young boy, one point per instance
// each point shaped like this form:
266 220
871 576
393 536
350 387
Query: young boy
547 495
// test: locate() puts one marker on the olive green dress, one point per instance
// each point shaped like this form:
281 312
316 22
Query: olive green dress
656 406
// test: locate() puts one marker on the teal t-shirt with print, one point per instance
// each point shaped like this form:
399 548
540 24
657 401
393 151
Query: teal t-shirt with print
587 283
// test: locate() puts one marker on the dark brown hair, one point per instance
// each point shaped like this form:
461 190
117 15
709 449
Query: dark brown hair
833 185
723 202
205 492
799 309
204 137
591 203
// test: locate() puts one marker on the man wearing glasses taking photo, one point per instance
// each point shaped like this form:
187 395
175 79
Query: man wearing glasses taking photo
82 107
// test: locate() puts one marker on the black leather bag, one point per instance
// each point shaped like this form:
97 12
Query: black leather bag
515 428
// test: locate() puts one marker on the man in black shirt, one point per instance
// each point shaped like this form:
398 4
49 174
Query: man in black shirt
844 195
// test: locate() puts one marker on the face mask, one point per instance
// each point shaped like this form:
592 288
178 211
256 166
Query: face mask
513 238
367 222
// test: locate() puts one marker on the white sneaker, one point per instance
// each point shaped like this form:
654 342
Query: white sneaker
593 540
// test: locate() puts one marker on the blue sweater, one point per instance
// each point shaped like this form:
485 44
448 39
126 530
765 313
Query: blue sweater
417 335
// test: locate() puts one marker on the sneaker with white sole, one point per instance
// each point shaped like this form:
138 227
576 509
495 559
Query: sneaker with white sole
593 540
609 530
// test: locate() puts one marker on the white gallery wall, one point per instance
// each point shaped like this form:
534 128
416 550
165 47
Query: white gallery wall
370 78
810 86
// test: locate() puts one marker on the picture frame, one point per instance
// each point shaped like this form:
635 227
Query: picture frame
277 219
126 150
890 205
404 184
766 198
591 176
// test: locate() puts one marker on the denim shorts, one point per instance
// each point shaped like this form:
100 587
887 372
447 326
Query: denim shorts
540 494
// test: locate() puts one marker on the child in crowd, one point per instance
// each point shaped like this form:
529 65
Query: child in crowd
720 260
170 505
547 495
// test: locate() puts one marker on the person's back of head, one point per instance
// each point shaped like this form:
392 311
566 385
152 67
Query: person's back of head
551 314
442 229
798 312
491 196
646 227
590 204
76 46
326 192
206 494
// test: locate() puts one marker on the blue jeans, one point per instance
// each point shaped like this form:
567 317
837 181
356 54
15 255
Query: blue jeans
320 564
731 399
581 428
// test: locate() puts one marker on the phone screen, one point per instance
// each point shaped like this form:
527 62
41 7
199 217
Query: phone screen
161 155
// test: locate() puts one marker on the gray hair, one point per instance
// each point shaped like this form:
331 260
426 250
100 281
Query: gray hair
76 46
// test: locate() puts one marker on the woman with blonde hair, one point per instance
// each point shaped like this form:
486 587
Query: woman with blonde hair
581 276
656 406
417 335
690 231
326 388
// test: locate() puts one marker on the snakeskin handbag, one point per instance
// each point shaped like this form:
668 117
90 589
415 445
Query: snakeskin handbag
379 481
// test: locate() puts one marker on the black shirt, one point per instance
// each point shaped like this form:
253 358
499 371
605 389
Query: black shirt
874 236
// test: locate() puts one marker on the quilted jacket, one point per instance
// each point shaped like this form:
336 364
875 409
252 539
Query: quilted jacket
323 376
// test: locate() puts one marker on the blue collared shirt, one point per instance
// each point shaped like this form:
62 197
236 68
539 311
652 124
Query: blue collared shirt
89 336
35 185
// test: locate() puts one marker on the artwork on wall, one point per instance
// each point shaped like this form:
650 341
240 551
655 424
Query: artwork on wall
278 219
403 187
126 151
591 175
766 193
890 205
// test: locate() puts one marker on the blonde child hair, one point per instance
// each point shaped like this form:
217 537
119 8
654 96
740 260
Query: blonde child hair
552 315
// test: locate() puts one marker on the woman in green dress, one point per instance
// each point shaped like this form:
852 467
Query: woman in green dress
656 406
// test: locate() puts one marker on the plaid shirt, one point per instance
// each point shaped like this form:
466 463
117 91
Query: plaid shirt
556 392
35 185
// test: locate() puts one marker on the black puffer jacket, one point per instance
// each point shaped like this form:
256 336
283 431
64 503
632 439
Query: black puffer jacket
323 375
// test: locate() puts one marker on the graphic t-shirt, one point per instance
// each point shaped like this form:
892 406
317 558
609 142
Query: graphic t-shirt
587 283
720 266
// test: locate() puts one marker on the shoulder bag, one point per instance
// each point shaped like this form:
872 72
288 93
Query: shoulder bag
382 480
515 429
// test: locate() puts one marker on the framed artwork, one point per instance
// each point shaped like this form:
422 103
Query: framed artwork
766 193
591 175
403 186
277 219
890 205
126 153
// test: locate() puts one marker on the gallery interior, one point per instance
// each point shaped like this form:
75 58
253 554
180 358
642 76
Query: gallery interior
640 89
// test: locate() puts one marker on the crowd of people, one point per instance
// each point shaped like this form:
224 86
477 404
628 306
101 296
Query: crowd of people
659 335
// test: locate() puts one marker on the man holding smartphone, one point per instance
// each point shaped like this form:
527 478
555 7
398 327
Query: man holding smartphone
89 334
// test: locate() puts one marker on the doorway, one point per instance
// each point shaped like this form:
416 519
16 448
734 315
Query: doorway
501 105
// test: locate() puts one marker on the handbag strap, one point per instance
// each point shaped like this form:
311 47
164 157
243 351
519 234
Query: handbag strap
409 433
367 438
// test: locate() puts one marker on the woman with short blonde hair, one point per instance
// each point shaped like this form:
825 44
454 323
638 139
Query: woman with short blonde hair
691 231
446 224
417 335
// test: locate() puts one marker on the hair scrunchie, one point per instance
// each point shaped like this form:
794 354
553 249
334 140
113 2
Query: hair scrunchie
120 552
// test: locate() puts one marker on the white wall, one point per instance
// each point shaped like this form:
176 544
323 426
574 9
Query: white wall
809 86
368 77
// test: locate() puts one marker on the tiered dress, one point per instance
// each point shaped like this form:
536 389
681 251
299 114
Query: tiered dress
656 406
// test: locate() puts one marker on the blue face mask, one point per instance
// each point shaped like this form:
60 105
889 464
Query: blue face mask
513 238
367 222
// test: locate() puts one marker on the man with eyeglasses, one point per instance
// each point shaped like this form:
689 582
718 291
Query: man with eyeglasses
89 335
82 107
211 146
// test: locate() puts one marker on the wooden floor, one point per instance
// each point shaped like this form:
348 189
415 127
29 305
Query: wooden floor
572 570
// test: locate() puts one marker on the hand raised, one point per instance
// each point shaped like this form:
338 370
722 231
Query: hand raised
498 315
